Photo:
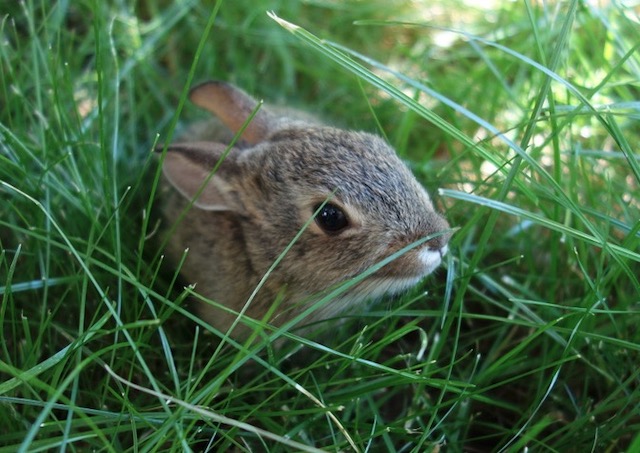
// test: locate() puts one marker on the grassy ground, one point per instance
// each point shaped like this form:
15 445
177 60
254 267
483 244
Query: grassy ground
525 114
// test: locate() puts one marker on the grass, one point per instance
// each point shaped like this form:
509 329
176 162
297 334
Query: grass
524 115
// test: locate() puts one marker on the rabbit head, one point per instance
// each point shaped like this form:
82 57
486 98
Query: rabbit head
268 186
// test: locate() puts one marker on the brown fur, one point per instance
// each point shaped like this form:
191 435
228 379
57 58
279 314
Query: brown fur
263 193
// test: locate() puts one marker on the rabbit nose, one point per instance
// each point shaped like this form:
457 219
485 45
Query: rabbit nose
440 244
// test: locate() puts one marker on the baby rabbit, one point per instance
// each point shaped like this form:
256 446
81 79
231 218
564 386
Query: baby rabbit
279 173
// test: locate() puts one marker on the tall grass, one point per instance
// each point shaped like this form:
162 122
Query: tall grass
523 114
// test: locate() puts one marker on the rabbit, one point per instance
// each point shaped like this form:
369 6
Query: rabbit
283 168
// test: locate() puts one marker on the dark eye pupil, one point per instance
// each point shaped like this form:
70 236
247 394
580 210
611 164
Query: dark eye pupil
331 218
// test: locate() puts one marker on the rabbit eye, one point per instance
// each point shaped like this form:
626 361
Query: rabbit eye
331 218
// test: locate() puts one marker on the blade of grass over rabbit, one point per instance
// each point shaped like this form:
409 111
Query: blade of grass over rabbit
241 314
344 287
276 262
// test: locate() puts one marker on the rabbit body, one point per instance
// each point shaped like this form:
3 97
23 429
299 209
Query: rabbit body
280 172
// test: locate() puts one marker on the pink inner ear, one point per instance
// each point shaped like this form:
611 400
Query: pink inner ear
233 106
188 177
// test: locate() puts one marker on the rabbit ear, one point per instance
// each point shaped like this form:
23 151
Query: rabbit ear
188 167
233 106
